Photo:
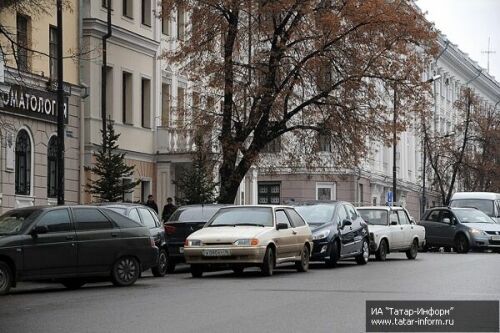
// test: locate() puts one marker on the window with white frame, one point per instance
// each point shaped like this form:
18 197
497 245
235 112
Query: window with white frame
23 163
128 196
326 191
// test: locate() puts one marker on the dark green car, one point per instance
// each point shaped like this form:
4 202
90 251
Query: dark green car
72 245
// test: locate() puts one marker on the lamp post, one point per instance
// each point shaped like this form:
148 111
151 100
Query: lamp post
424 158
394 146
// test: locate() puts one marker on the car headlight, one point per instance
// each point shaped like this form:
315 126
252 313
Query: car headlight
193 242
476 231
246 242
321 234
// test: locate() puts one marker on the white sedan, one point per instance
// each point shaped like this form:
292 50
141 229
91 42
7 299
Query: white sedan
392 230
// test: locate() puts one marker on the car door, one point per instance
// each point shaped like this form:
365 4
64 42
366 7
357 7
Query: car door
445 228
355 227
431 223
98 240
52 253
407 231
300 226
286 239
396 231
346 233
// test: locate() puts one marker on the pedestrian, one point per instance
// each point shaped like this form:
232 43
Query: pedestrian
168 210
151 203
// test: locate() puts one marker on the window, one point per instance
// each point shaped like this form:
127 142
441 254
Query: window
269 193
146 12
393 218
134 215
273 147
22 22
181 25
128 8
90 219
297 221
165 104
147 218
23 163
104 3
324 143
52 167
433 216
53 52
56 220
351 212
128 196
325 191
165 21
282 218
146 103
361 197
341 214
145 189
181 112
446 214
127 98
403 218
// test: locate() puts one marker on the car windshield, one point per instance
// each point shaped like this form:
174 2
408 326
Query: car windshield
253 216
316 214
472 216
15 220
484 205
374 216
194 214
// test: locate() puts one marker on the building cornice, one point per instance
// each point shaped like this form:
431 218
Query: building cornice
93 27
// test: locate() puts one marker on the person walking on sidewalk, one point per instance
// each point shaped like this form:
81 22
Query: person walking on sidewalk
168 210
152 204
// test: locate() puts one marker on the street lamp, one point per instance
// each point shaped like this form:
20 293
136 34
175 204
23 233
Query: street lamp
424 159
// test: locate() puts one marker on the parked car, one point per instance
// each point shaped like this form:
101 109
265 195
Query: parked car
243 236
460 228
392 230
338 231
148 218
488 203
72 245
182 223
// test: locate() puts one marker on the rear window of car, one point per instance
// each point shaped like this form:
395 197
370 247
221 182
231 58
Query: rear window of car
374 216
193 214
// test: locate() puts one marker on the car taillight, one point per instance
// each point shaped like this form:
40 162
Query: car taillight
186 243
169 229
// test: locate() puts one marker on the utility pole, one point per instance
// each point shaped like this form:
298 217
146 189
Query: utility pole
394 146
488 52
104 71
60 106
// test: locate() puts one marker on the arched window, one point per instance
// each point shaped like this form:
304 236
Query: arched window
52 167
23 163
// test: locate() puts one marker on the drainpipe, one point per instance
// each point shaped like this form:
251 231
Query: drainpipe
103 72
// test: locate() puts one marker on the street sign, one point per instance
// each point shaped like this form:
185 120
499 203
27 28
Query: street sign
389 198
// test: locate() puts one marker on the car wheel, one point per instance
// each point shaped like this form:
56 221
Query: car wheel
412 252
461 244
171 265
6 278
196 270
303 264
362 258
381 253
73 284
238 270
267 267
161 269
126 271
334 255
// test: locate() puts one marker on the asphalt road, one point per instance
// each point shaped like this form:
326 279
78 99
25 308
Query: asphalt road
321 300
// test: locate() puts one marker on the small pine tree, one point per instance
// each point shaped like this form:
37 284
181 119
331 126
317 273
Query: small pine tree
197 183
110 169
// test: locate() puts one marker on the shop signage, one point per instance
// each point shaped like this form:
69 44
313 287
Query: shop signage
32 103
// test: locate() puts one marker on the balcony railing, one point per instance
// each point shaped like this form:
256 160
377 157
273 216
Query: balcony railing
172 140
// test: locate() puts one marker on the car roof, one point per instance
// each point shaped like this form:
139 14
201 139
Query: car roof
315 202
381 207
475 195
258 206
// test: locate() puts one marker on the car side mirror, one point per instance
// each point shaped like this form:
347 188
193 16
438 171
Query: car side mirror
281 226
39 229
446 220
345 223
394 222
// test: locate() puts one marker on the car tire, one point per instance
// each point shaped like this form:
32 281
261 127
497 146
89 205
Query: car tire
461 244
196 270
161 269
303 264
362 258
334 255
267 267
73 284
6 278
447 249
412 252
126 271
238 270
381 253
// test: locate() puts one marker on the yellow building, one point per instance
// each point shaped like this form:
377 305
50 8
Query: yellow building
28 107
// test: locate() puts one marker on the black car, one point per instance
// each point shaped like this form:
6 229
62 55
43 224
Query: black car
148 218
72 245
460 228
182 223
338 231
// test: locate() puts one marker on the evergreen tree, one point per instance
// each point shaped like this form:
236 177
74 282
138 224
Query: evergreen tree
197 183
110 169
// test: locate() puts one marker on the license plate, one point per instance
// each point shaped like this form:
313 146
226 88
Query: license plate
495 238
181 250
216 253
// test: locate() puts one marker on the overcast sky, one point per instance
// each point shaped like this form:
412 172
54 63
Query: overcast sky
468 24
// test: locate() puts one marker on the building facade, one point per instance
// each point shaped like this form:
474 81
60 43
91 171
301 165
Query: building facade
28 165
